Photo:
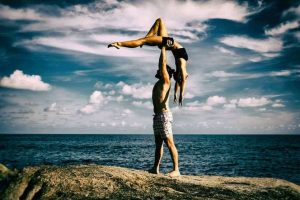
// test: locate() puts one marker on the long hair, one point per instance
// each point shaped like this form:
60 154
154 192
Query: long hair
170 72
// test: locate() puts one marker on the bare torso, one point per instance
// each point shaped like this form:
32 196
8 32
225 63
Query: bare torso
160 97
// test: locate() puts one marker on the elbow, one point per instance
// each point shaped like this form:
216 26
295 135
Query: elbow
167 80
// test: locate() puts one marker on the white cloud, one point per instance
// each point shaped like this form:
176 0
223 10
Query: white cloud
224 50
146 104
19 80
194 103
255 59
294 10
278 105
233 101
271 55
222 74
206 107
141 15
19 14
119 98
96 98
215 100
127 112
282 28
281 73
137 90
88 109
188 95
195 106
95 102
297 35
230 106
80 44
51 108
253 102
248 102
107 15
262 109
257 45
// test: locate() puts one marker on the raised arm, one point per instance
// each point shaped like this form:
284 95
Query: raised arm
163 66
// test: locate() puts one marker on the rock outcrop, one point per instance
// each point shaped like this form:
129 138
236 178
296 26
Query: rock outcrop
106 182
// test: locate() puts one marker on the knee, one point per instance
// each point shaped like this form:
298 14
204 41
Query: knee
170 143
143 41
159 20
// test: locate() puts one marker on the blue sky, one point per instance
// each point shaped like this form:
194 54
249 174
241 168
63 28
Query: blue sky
58 76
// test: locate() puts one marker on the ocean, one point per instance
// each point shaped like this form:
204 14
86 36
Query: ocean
276 156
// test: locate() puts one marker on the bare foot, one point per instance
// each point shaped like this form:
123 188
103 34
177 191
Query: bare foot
153 171
114 44
174 173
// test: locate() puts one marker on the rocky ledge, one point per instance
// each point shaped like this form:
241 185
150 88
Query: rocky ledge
106 182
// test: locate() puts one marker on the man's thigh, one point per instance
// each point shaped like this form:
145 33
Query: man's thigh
158 140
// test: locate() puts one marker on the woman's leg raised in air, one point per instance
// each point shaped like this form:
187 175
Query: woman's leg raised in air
151 41
153 37
158 28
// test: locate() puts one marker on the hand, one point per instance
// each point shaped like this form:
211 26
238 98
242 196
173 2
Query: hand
114 44
180 100
175 99
170 44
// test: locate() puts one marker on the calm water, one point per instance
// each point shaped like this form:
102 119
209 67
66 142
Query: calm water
275 156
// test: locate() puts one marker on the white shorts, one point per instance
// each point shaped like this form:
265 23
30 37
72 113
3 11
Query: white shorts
162 124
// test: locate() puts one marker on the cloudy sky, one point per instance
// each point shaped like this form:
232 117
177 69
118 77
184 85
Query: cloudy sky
58 76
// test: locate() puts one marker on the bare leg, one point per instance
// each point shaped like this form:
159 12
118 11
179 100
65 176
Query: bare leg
181 66
158 155
158 28
176 89
174 155
151 41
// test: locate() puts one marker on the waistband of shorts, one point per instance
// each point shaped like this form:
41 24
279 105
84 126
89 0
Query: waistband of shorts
168 112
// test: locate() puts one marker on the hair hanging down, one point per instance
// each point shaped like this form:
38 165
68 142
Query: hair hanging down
170 72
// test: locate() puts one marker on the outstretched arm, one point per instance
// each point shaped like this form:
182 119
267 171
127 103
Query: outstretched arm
163 65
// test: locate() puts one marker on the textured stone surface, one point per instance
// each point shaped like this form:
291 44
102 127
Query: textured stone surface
106 182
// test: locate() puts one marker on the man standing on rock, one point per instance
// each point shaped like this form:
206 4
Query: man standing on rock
162 120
